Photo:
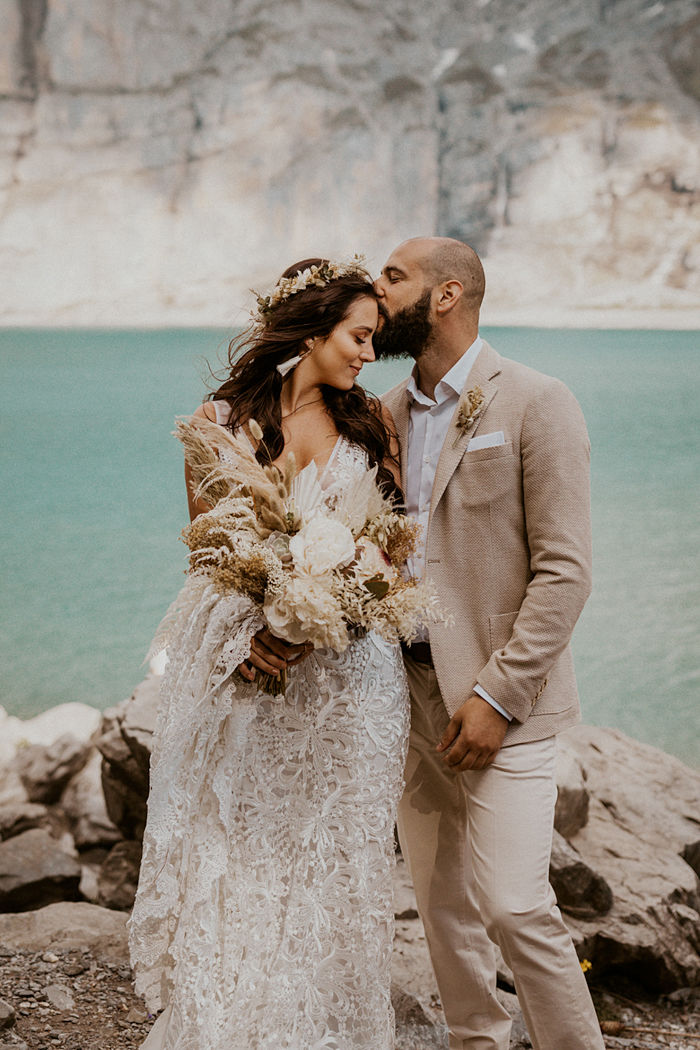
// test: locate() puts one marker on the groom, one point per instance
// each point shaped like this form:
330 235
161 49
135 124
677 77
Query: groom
495 466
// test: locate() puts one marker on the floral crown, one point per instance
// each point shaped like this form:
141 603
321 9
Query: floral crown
317 276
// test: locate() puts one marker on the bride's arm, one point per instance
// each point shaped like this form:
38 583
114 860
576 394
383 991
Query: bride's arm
268 654
197 506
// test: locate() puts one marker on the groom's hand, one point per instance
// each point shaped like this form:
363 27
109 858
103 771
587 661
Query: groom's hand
474 735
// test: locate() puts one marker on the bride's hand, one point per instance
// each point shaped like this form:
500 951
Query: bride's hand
271 655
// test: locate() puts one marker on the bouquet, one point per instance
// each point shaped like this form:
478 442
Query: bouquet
322 570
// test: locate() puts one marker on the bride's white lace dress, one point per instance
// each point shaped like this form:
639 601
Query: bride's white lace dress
264 915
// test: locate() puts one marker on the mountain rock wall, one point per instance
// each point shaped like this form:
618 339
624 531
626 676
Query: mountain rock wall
160 157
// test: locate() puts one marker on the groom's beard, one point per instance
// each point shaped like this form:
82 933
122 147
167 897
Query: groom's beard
407 333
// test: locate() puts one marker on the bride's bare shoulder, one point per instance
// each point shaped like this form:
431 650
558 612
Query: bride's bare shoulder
214 411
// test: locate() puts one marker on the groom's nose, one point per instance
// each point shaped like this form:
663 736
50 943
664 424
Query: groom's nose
379 285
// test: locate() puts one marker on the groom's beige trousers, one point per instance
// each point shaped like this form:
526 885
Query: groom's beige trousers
478 846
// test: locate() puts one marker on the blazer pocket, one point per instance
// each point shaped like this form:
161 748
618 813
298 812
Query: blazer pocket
501 629
478 455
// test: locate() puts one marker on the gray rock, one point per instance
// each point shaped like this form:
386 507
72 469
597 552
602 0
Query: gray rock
416 1027
7 1016
91 861
45 770
16 817
80 720
67 926
83 803
580 891
119 876
34 870
125 743
571 810
60 997
643 817
519 1037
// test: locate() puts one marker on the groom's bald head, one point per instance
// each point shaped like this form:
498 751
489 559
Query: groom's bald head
446 259
429 292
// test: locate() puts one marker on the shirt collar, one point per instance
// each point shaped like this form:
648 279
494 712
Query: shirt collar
452 383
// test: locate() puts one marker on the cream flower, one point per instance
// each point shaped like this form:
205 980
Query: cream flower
322 545
306 611
371 561
471 405
317 276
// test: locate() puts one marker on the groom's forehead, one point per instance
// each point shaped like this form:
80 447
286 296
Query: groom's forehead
406 259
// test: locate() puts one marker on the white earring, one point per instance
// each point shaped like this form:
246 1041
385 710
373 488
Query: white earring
287 366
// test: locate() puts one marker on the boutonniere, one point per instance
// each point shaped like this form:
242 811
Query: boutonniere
471 405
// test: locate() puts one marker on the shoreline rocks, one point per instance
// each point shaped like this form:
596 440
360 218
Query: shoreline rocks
642 829
625 859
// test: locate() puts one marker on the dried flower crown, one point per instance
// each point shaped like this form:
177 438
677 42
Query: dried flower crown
317 276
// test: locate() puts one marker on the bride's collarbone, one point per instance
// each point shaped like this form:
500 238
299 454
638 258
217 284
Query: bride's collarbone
308 441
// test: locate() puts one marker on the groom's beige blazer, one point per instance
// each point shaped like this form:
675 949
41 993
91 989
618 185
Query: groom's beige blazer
509 545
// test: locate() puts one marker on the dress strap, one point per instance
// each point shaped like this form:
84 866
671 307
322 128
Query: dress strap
223 411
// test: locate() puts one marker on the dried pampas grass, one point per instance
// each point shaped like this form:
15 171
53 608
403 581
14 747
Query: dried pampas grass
224 464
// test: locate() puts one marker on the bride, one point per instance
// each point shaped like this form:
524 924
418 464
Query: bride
264 915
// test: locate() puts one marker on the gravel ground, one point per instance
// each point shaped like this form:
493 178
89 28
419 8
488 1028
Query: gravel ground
77 1000
69 1000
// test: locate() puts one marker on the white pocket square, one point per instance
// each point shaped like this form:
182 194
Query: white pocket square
486 441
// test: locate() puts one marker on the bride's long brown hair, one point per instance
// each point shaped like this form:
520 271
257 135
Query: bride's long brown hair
253 387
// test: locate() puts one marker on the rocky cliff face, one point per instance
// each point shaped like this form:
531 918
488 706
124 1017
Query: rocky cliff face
159 157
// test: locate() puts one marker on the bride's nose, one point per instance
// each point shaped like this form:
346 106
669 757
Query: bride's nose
367 352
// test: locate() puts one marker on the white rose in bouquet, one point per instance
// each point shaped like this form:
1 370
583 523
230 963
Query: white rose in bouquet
372 561
306 611
322 545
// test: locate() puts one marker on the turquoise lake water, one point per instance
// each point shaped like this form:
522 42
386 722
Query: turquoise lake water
93 503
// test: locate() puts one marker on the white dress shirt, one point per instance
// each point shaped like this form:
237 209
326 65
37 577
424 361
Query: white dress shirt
429 421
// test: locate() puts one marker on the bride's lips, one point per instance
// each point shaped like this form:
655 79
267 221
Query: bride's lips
355 369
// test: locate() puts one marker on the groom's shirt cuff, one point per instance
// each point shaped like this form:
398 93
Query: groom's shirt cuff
490 700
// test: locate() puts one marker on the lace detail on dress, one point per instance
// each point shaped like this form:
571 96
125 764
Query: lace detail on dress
264 913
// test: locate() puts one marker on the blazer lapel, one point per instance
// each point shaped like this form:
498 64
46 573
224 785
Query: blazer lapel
486 367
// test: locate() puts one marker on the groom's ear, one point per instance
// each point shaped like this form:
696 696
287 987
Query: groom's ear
449 294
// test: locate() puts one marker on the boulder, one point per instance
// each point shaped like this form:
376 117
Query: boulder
416 1026
7 1016
34 870
67 926
571 810
16 817
84 805
641 833
91 861
125 743
580 891
46 769
80 720
119 875
12 790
